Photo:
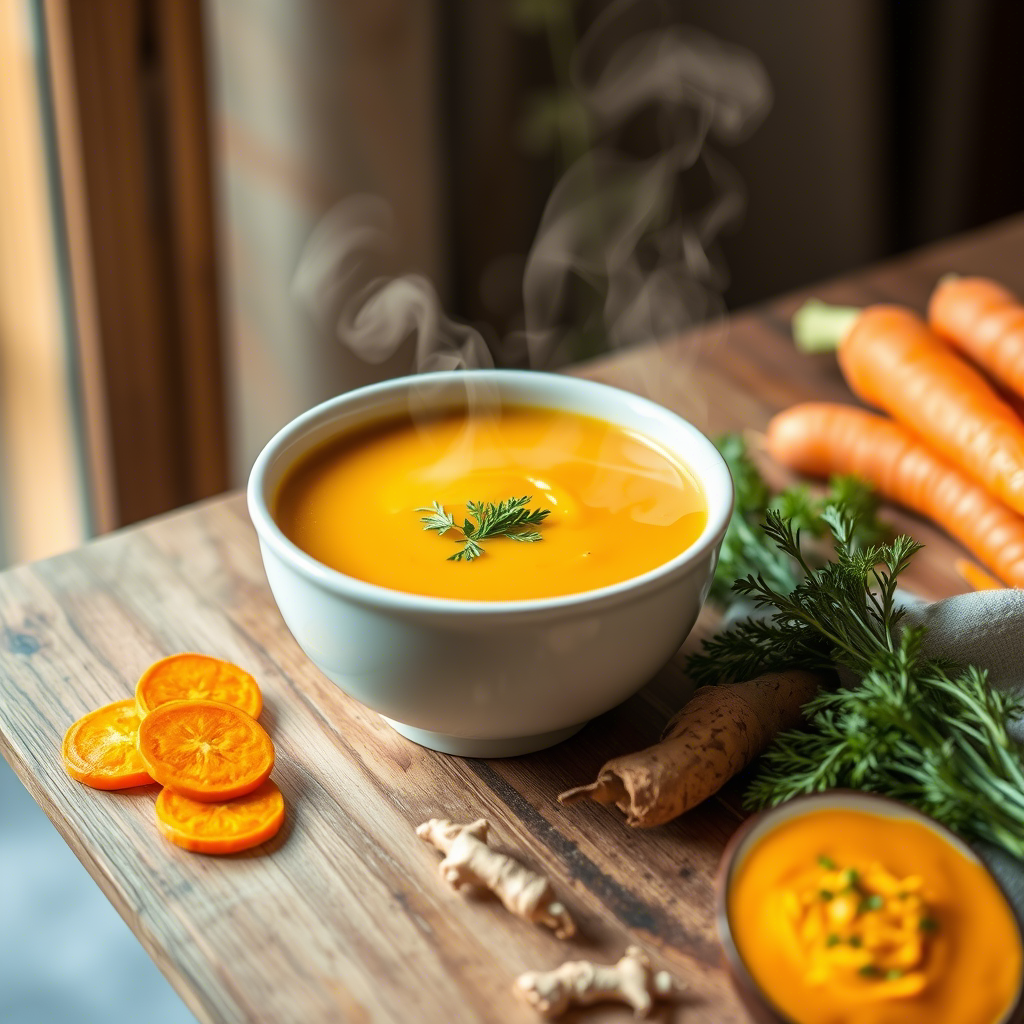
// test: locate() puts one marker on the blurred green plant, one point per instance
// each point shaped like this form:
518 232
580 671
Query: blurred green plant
555 119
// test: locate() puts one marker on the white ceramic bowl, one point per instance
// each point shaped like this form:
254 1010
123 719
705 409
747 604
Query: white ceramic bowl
483 678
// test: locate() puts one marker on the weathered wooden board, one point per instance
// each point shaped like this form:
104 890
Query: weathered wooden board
342 917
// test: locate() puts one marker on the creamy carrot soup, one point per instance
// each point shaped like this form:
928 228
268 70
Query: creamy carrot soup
844 917
618 504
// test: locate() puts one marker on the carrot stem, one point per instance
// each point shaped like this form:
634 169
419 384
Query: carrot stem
819 327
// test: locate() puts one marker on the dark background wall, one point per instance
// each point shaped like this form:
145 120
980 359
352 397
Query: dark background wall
893 124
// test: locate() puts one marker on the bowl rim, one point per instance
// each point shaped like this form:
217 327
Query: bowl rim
741 975
374 595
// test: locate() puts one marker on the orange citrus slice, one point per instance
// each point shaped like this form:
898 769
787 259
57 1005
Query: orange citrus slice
205 750
197 677
99 749
220 827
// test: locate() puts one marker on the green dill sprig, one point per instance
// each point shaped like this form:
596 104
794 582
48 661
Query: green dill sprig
912 727
438 519
502 519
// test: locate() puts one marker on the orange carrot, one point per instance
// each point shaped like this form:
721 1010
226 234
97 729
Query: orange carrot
821 439
984 321
893 361
976 576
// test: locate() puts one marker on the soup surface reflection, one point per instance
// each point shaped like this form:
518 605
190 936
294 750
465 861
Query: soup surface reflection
619 504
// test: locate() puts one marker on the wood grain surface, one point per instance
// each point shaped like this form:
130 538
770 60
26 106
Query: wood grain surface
342 917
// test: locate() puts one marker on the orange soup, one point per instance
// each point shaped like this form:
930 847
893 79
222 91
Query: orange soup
618 504
844 917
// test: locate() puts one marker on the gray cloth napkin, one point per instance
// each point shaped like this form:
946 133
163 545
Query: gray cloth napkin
986 629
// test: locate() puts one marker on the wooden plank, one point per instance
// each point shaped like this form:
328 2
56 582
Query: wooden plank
193 245
130 113
343 917
347 904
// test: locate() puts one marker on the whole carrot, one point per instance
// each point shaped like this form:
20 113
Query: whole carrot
821 439
892 361
986 322
976 576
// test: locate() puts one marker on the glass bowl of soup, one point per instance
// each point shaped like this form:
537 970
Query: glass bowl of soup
512 644
849 908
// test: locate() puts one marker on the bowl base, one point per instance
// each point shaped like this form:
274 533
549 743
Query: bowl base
464 747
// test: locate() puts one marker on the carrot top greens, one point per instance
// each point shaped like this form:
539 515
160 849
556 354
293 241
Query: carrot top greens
747 551
911 726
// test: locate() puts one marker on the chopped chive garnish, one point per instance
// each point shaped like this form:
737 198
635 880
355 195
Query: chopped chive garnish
870 971
893 973
855 941
825 895
833 940
928 924
872 902
850 877
827 863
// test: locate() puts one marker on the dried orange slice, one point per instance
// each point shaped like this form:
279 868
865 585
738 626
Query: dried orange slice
197 677
99 749
205 750
222 827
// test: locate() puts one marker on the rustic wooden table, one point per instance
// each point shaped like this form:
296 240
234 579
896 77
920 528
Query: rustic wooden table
342 917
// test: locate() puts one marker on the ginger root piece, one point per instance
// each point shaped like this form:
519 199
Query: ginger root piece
717 734
469 861
579 982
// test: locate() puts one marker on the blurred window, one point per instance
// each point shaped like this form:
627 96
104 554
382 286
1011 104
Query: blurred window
41 498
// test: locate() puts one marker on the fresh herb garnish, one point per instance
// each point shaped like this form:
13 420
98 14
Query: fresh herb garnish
827 863
912 727
504 519
745 549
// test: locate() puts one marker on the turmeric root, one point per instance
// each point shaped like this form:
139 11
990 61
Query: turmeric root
579 982
717 734
469 861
